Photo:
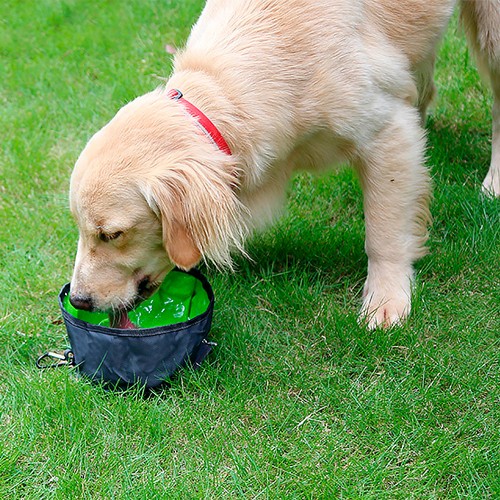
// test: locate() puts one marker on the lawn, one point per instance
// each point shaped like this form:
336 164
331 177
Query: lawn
297 401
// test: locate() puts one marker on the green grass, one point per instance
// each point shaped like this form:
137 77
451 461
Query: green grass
297 401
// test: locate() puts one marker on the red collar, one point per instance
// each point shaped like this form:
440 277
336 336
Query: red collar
203 122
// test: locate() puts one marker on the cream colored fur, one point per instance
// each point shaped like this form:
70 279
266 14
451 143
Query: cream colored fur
292 85
481 19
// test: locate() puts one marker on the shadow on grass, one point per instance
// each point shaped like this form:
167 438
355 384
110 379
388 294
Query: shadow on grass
464 220
332 254
459 153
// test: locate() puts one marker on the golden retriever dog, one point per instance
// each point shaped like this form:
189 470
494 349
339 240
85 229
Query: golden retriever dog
265 88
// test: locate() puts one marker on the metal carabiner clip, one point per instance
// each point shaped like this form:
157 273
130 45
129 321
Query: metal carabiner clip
66 358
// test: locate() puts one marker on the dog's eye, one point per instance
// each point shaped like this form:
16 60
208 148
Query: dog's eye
109 237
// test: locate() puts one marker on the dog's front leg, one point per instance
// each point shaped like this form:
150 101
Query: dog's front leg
396 188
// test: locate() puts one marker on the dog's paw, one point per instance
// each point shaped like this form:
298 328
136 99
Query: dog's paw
384 313
491 184
384 306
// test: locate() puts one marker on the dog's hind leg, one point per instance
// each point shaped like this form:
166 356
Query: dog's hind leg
491 183
396 191
481 20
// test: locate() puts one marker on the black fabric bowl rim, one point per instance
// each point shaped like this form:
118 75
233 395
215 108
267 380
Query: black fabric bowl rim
142 332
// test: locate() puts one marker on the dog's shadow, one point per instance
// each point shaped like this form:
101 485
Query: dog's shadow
458 157
458 153
336 253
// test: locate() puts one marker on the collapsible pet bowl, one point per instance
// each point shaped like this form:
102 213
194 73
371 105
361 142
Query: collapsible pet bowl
173 327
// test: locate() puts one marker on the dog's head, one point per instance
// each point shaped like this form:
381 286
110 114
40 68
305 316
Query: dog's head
149 193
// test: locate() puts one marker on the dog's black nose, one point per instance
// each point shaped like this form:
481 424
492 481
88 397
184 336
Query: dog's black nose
81 302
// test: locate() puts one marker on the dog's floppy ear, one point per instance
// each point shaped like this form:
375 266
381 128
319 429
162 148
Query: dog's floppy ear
200 214
177 239
180 246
